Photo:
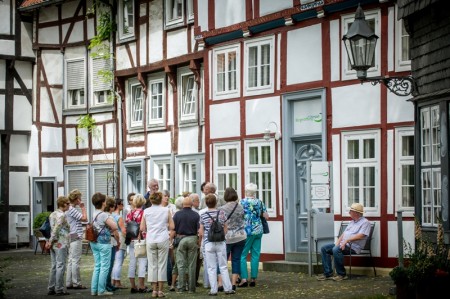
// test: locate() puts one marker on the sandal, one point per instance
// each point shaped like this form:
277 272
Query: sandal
243 285
161 294
154 294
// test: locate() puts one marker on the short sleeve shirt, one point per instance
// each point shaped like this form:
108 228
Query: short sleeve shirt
207 221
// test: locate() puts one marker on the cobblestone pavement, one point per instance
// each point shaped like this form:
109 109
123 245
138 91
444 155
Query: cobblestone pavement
28 274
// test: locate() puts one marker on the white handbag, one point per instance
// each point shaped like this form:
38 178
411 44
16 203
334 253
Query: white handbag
140 249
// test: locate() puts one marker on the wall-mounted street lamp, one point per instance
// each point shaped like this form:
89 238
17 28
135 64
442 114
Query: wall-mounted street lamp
360 42
267 132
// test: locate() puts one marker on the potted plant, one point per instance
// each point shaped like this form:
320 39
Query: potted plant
428 265
400 277
37 222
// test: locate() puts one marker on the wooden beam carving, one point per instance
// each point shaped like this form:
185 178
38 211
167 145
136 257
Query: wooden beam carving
172 75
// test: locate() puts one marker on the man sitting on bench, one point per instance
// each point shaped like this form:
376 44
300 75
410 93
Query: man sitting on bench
356 233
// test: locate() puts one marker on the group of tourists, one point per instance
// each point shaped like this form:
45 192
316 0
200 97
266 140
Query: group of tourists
177 241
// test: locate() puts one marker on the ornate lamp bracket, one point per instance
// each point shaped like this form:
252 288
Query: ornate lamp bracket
401 86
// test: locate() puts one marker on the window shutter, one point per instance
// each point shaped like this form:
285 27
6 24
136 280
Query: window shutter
77 179
99 83
105 181
75 75
101 180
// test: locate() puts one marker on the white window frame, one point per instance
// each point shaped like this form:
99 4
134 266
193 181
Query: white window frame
169 10
99 87
184 78
79 80
226 93
361 163
190 10
400 161
226 170
262 169
259 89
124 20
430 174
133 85
163 173
183 162
160 120
347 72
401 65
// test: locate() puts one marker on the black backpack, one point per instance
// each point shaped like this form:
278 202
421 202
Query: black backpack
216 232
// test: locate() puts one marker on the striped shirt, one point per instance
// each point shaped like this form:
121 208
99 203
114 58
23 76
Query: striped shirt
74 216
207 221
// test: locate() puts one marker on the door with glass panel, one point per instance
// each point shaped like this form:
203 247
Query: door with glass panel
310 150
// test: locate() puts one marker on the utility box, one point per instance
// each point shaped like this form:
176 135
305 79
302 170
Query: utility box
23 219
322 229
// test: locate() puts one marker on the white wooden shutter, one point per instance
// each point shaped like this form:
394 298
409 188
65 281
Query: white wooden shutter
78 179
98 82
75 75
101 180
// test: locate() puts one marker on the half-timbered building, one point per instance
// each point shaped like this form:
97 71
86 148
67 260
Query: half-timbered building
227 91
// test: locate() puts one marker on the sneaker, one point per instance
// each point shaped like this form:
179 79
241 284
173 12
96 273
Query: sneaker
323 277
230 292
340 277
106 293
51 292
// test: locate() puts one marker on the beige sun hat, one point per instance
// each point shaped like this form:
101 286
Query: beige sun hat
357 207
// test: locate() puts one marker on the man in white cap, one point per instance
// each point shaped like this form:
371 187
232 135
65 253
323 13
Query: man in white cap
356 232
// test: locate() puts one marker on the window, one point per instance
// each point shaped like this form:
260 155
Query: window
126 19
259 66
101 85
361 164
188 98
75 83
189 177
104 180
77 178
402 59
226 72
156 102
405 169
174 10
261 171
190 10
430 165
227 167
372 18
189 173
136 105
163 174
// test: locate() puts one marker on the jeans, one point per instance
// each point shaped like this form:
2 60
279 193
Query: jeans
252 244
109 285
102 260
235 250
216 252
187 261
118 262
329 250
73 277
57 270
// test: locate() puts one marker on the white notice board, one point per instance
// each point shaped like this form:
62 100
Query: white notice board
320 172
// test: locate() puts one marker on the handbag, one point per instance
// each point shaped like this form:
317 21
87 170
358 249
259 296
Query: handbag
265 225
91 232
46 229
132 229
140 249
264 222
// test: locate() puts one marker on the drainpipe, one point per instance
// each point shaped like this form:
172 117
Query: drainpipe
400 237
